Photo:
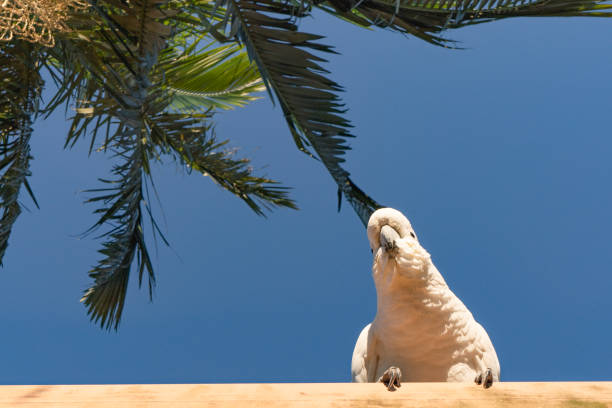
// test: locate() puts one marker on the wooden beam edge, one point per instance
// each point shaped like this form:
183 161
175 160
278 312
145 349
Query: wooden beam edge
438 395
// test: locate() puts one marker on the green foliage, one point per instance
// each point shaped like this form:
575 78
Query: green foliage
145 78
309 100
217 77
122 210
128 80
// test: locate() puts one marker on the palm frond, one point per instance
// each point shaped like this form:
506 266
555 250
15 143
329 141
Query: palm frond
426 19
214 77
20 89
119 74
308 98
118 56
106 297
198 149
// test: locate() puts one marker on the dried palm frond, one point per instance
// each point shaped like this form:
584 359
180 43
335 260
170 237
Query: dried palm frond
35 21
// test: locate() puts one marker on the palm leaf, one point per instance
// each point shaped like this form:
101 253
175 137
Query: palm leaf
106 297
107 65
197 148
221 77
20 89
118 71
427 18
308 98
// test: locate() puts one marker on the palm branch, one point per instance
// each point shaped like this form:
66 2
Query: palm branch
290 62
123 73
217 77
20 89
292 72
427 19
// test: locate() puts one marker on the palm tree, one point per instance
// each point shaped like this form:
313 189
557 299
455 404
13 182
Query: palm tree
145 77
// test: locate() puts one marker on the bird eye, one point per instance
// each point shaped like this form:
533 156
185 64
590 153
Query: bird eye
412 234
371 251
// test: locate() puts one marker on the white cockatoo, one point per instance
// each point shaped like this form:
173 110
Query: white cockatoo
422 332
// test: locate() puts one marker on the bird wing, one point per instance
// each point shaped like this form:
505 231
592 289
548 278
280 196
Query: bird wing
359 372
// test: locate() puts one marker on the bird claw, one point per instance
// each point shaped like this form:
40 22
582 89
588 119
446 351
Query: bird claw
391 378
485 378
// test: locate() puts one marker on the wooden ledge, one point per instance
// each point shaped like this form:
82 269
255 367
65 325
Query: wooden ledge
422 395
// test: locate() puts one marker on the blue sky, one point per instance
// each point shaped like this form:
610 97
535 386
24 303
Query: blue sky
499 155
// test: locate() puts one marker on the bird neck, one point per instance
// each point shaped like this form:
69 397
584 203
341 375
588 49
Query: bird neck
413 294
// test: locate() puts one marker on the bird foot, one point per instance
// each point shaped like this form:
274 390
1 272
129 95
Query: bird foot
485 378
391 378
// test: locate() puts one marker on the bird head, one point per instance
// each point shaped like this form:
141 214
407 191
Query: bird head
392 237
386 224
